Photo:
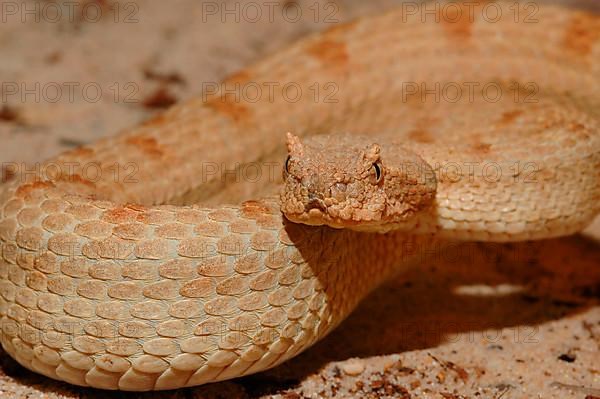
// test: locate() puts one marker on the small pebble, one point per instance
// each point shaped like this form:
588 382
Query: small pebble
353 367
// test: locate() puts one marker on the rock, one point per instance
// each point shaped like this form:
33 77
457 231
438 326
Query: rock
353 367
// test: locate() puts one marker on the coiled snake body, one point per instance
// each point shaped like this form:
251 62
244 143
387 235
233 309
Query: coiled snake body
103 285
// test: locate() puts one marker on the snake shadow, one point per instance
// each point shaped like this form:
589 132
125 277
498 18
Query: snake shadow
466 288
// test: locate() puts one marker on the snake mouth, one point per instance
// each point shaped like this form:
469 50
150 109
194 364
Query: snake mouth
315 203
314 214
313 218
319 217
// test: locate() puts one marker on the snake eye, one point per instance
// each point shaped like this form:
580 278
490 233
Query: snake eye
377 173
286 168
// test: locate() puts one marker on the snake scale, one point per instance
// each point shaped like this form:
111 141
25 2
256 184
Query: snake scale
122 282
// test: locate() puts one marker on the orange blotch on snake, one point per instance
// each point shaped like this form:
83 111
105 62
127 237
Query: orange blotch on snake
330 52
456 21
254 209
509 117
119 215
148 145
240 77
28 188
483 148
331 49
228 106
581 34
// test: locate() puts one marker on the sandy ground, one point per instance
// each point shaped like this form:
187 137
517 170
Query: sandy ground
478 321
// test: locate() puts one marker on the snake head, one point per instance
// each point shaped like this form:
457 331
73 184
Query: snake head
348 181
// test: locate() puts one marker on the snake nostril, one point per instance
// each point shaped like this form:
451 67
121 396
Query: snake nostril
338 191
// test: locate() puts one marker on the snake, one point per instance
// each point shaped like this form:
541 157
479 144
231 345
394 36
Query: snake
141 262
